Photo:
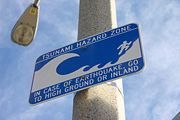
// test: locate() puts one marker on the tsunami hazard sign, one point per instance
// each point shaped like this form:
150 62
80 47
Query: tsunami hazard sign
91 61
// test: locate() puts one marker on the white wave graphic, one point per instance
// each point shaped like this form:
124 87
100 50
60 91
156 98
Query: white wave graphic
47 75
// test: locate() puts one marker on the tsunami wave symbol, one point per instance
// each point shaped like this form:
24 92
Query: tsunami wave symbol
85 62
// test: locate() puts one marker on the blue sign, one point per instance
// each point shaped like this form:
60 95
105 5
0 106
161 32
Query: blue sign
91 61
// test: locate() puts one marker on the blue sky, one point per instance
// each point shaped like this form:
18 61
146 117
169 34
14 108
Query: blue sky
153 94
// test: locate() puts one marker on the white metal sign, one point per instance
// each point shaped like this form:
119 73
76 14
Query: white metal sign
94 60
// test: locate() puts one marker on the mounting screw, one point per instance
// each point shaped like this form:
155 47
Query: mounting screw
83 77
84 47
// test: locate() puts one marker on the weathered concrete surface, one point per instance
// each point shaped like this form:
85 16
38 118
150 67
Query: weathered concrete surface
105 101
96 16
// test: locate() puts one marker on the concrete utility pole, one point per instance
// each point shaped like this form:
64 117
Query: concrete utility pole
105 101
